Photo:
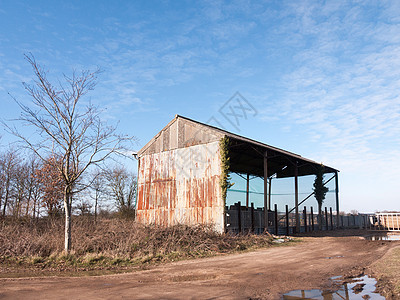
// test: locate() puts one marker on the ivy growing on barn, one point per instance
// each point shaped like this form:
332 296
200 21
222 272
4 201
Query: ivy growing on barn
225 165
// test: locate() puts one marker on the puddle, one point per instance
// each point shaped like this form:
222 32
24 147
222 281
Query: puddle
358 288
383 237
332 257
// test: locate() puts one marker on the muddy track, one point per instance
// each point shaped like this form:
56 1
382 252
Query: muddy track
263 274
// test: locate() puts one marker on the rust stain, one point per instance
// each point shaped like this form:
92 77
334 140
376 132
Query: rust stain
174 189
163 180
139 205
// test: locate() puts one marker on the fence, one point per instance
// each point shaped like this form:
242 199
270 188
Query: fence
385 221
240 219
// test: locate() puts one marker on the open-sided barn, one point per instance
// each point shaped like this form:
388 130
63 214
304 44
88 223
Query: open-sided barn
182 172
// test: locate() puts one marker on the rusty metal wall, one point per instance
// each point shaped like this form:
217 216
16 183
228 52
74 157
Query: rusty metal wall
181 186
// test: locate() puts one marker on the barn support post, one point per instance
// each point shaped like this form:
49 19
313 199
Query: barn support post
312 219
287 219
337 199
269 192
276 219
266 191
305 219
239 216
252 217
326 218
296 196
247 190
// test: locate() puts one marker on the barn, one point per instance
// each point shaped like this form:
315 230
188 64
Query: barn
183 171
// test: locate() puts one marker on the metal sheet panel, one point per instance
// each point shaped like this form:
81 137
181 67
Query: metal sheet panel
181 186
173 136
180 133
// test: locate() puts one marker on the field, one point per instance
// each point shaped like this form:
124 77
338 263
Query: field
109 245
387 271
158 263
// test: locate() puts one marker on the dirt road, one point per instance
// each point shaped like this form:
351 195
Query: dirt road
261 274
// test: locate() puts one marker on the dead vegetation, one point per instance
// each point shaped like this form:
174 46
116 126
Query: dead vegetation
387 271
110 243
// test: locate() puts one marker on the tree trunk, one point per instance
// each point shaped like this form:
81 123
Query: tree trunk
18 208
319 216
96 203
67 208
5 203
95 210
34 208
37 209
28 203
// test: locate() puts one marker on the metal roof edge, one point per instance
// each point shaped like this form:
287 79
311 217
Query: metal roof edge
245 139
148 144
231 135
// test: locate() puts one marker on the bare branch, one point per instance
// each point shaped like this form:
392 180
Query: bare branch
67 130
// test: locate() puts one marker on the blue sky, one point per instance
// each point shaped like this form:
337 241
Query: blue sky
324 77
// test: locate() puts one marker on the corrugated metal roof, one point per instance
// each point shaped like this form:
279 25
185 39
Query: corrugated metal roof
220 132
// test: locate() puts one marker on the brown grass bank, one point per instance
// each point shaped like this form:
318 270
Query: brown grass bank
387 271
109 244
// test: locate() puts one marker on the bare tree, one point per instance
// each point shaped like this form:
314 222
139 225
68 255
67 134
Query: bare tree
122 188
8 165
83 207
67 128
2 179
33 188
97 190
19 188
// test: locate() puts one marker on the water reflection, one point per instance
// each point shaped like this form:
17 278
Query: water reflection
358 288
382 237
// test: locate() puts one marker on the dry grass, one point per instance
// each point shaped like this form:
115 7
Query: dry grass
111 242
387 272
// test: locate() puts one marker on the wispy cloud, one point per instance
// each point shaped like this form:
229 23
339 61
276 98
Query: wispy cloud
344 88
326 75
